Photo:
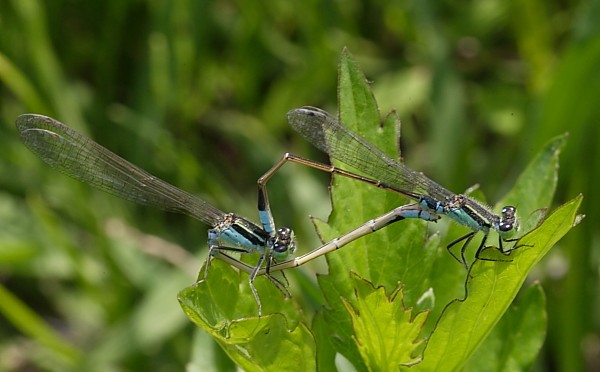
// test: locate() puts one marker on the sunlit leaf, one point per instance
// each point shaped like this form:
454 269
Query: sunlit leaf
270 342
385 332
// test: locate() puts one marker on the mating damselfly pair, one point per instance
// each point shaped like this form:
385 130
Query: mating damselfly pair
83 159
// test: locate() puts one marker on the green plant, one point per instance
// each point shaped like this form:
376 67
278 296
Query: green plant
394 298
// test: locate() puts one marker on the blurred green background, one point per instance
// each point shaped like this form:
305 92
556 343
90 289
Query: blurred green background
196 92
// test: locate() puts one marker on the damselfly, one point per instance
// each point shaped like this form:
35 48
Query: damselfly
79 157
326 133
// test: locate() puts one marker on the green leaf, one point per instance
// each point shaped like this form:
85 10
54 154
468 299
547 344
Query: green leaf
535 187
515 342
325 343
399 253
357 103
225 311
384 330
490 290
403 253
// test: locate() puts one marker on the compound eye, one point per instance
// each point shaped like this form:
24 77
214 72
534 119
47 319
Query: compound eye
509 209
280 247
505 226
284 233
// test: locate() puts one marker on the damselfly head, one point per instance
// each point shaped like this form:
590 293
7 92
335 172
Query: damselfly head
509 220
283 243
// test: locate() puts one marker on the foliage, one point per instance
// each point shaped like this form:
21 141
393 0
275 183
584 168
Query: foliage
196 93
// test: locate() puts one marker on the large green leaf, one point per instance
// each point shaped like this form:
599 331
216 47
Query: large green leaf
491 289
516 340
398 253
402 252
